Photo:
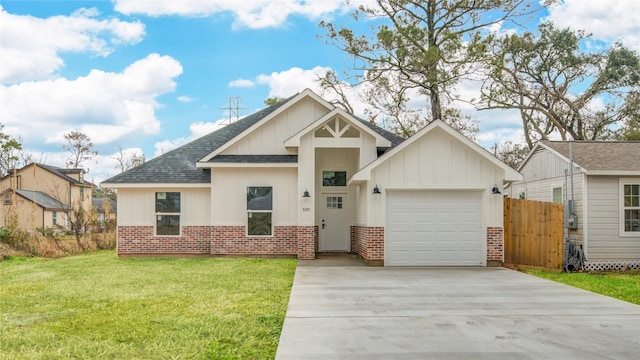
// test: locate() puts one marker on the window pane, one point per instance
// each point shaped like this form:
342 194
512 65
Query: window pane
632 220
334 178
168 202
259 224
168 224
632 195
259 198
557 195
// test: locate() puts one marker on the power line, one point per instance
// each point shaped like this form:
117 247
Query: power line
234 108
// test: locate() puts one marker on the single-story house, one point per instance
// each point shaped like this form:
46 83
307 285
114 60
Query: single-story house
303 177
606 195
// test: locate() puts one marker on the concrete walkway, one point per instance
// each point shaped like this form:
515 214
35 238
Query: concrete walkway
341 310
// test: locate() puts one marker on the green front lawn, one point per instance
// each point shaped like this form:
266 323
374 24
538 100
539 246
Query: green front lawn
102 306
623 286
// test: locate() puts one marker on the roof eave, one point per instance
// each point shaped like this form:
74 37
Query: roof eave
613 172
153 185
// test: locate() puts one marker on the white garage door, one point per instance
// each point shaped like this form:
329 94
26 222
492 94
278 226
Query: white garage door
433 228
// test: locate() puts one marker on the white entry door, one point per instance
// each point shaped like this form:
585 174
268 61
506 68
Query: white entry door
334 223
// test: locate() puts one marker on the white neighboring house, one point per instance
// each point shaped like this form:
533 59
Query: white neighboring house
606 183
303 177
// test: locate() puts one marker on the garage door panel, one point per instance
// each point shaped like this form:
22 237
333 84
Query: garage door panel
433 228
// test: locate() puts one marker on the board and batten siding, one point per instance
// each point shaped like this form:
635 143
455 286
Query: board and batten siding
269 138
136 207
605 242
229 194
438 161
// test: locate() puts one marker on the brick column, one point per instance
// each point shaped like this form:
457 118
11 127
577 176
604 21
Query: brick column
495 246
307 242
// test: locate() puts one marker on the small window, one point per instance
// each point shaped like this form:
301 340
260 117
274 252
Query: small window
7 199
167 213
631 207
334 178
81 194
334 202
54 217
557 195
259 210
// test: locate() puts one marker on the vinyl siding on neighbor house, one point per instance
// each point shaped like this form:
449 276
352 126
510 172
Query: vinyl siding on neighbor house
604 224
545 171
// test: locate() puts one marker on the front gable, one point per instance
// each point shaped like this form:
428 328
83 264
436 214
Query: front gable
266 137
436 156
337 128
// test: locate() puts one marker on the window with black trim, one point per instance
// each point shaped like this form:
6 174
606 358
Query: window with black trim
631 207
259 210
334 178
167 213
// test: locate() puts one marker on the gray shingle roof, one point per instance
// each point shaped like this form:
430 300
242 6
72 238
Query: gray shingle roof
601 155
42 200
98 204
393 138
178 166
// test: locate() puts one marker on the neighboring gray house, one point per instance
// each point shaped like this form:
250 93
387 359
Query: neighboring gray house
606 191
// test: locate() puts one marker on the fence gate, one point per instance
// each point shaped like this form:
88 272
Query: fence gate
533 232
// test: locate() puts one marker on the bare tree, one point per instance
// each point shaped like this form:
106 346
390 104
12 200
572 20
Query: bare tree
80 148
421 49
128 161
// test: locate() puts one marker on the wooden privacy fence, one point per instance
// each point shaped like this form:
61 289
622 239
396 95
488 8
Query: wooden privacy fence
533 232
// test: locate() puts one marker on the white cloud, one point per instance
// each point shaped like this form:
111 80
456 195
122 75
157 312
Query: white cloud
104 105
609 21
255 14
241 83
198 129
185 99
30 46
294 80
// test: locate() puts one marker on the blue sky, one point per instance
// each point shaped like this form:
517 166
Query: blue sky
150 75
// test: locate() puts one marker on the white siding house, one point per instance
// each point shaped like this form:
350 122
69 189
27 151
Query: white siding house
606 186
303 177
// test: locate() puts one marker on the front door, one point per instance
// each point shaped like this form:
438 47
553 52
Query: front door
334 223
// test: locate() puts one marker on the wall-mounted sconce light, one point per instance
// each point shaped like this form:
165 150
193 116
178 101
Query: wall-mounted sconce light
376 190
306 194
495 190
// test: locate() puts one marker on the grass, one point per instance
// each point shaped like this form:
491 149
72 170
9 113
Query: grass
102 306
624 286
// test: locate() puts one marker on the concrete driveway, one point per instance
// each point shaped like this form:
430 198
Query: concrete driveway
341 311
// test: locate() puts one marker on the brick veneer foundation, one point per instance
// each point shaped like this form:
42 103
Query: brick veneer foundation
286 240
140 240
368 243
495 243
299 241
